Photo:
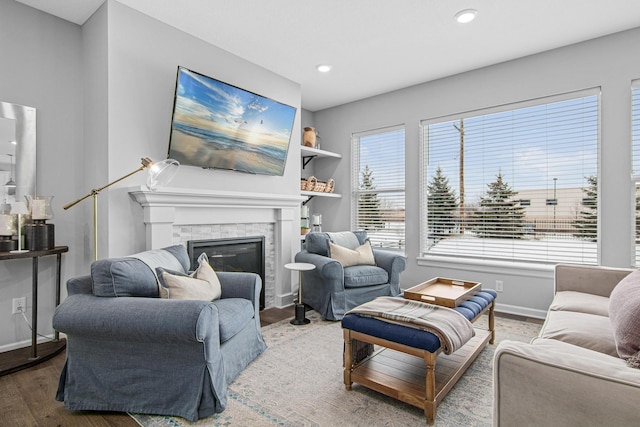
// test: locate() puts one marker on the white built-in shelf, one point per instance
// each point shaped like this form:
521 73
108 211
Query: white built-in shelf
319 194
314 152
308 154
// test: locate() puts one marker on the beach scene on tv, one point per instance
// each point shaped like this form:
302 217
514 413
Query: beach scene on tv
216 125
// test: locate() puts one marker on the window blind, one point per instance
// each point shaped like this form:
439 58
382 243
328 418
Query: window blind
378 186
517 182
635 138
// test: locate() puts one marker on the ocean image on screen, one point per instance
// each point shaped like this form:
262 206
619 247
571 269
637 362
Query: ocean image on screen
216 125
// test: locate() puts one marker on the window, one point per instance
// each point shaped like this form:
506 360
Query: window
635 137
377 185
510 183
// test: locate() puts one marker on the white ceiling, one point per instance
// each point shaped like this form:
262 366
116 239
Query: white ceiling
375 46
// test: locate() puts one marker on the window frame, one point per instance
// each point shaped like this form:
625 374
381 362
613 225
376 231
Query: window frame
355 178
424 253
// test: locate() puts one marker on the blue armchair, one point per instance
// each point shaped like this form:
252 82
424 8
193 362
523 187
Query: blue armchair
130 351
332 289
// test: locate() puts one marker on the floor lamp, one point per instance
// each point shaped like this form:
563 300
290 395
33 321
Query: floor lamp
159 173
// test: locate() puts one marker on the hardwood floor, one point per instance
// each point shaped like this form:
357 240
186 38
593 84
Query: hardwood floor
27 397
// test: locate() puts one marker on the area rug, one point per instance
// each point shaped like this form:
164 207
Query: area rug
298 381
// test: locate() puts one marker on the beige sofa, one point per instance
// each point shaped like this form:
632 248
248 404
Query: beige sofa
571 374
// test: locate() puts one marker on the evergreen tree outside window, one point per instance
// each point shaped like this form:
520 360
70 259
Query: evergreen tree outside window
586 224
378 186
499 215
521 172
442 204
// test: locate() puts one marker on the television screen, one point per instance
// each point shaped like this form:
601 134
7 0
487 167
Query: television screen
217 125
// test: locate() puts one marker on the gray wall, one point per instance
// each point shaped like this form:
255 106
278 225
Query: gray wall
608 62
143 55
103 94
42 68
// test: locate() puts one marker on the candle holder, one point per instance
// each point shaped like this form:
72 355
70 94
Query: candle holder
38 234
8 229
316 223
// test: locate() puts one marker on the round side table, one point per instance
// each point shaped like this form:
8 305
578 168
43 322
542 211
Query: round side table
300 318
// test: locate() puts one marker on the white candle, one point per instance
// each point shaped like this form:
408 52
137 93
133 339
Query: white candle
317 219
304 212
38 209
7 225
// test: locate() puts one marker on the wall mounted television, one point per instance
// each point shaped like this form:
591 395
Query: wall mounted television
219 126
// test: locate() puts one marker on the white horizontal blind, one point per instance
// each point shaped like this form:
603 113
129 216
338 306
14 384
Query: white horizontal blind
515 183
378 186
635 137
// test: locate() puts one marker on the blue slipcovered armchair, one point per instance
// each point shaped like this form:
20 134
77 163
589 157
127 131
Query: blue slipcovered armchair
332 289
130 351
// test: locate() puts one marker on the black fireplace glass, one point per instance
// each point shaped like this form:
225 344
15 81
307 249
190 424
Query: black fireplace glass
236 254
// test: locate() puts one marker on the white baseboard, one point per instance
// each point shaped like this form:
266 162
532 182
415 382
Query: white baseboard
521 311
25 343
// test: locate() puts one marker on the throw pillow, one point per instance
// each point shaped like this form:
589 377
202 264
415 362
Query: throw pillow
362 255
202 284
206 272
177 286
624 314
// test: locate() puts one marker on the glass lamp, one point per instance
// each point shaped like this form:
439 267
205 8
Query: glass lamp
160 173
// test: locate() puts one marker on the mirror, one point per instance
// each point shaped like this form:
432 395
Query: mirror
17 152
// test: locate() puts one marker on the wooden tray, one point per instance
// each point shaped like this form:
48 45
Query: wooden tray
446 292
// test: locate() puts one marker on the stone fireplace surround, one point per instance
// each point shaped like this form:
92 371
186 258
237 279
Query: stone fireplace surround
176 215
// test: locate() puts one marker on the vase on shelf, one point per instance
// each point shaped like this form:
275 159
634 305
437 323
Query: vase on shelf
309 137
39 235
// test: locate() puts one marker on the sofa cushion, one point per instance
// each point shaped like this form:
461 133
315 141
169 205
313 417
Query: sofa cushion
359 276
134 276
580 302
233 316
318 243
624 312
584 330
361 255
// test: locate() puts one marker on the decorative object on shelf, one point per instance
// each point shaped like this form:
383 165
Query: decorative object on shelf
8 229
304 220
308 184
316 223
19 208
309 137
159 174
38 234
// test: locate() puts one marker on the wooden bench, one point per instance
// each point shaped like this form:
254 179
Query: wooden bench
410 366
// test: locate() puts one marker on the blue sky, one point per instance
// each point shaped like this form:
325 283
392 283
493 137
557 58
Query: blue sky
206 99
529 146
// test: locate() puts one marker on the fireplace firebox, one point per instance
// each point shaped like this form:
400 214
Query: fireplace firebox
237 254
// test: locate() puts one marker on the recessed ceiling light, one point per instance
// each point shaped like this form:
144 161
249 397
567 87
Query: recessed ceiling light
323 68
466 16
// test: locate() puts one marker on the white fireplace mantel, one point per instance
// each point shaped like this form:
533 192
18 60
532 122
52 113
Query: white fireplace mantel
166 208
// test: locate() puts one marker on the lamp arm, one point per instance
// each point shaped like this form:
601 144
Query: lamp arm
97 190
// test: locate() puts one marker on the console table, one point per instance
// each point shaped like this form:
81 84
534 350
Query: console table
12 361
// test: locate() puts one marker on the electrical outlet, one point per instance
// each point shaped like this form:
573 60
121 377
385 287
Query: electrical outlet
499 286
19 305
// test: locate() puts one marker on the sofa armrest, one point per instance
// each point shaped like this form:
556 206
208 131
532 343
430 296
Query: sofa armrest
596 280
136 319
394 263
240 285
79 285
558 384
